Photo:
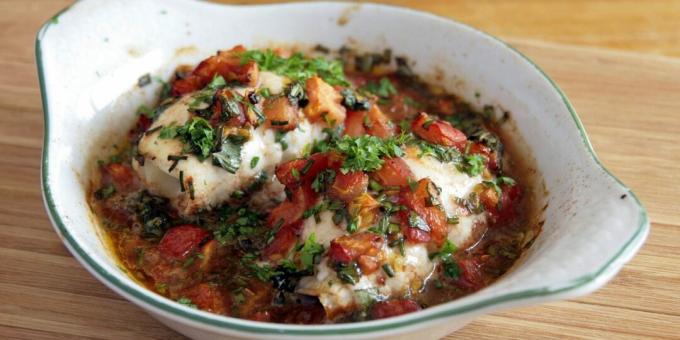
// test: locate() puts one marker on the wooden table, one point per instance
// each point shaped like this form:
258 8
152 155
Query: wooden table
629 103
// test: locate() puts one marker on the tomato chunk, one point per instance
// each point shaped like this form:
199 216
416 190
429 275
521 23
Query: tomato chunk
364 247
506 210
424 202
394 172
290 210
354 124
373 122
490 156
299 171
283 241
438 132
225 63
179 241
280 114
324 102
470 275
390 308
348 186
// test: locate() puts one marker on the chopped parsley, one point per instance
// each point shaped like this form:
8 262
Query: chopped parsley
187 302
297 67
472 164
254 161
383 88
229 155
105 192
309 252
197 135
365 153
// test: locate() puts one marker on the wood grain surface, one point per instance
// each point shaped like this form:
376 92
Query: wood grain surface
629 103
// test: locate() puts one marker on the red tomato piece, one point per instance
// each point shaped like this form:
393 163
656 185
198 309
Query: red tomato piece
378 124
179 241
280 114
372 122
225 63
419 202
394 172
290 210
510 197
354 124
490 156
299 171
438 132
390 308
283 241
348 248
348 186
470 275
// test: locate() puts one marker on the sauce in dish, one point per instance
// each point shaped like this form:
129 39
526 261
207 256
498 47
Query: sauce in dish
311 188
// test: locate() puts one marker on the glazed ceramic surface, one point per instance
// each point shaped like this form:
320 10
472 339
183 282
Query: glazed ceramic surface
91 55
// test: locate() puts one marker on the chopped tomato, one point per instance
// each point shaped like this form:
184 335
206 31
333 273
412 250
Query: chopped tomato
378 124
438 132
237 120
366 209
324 102
283 241
394 172
348 248
490 156
354 124
348 186
470 275
179 241
280 114
290 210
121 175
207 297
390 308
372 122
507 209
225 63
293 173
423 201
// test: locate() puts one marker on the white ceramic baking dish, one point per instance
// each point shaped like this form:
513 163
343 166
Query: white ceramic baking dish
89 58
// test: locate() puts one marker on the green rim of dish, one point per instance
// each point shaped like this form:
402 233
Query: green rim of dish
175 309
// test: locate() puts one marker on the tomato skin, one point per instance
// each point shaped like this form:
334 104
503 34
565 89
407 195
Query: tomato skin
394 172
470 275
348 186
324 102
283 241
179 241
438 132
354 124
318 162
280 110
364 247
417 201
290 210
390 308
491 156
510 197
225 63
372 122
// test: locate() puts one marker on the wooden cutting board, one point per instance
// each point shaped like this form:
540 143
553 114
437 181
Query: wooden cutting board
630 105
